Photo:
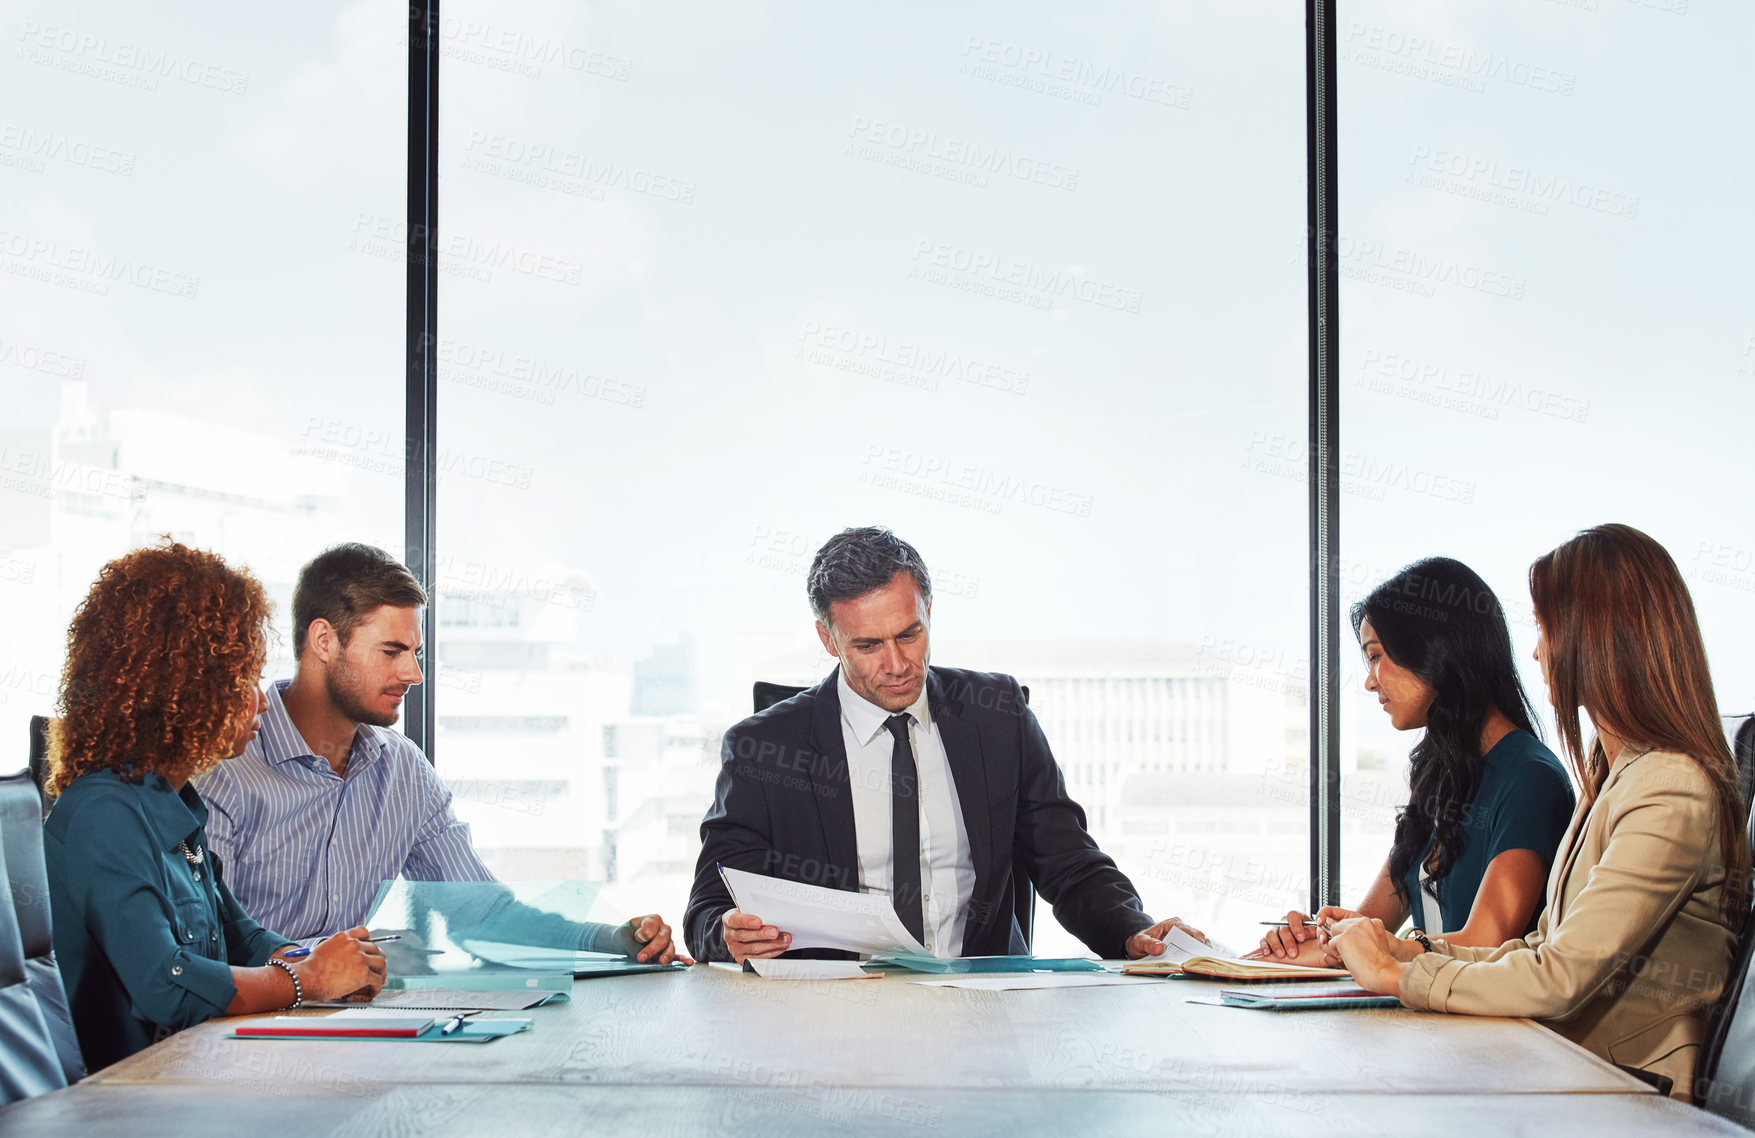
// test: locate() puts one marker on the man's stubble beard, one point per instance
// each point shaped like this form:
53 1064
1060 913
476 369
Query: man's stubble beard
339 684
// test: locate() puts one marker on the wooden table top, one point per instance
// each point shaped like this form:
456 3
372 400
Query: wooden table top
713 1027
713 1051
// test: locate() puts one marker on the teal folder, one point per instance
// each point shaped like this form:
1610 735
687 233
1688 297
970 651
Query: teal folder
965 965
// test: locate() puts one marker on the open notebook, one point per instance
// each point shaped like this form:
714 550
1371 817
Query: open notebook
1185 956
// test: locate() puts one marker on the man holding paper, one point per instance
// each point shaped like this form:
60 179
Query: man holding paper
929 785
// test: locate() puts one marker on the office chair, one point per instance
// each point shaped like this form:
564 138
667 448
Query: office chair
766 695
1724 1078
21 839
1743 748
38 1051
39 757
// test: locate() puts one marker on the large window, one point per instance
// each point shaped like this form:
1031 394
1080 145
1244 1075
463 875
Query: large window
1019 282
1024 282
1545 322
200 299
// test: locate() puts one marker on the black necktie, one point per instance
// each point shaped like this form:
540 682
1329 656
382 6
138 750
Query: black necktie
905 829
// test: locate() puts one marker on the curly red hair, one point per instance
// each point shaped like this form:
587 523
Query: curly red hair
161 657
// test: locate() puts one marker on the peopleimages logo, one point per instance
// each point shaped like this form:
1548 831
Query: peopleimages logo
137 65
40 146
935 153
1037 283
88 269
1065 76
1451 64
1498 182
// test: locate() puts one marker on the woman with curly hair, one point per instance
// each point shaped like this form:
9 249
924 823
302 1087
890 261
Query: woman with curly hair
163 658
1652 881
1488 803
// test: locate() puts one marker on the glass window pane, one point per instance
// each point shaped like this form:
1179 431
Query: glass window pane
718 284
1545 321
200 308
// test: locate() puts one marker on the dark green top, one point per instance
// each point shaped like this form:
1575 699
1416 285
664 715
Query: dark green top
145 940
1524 802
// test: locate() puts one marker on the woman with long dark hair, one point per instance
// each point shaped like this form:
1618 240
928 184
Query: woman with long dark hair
1653 880
1488 803
163 658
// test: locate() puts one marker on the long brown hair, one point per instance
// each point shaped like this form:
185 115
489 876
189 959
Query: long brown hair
1623 643
161 657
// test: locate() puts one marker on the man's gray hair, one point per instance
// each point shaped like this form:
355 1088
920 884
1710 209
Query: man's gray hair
858 561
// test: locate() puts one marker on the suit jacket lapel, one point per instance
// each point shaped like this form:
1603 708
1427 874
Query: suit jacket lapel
962 743
832 785
1563 863
1575 842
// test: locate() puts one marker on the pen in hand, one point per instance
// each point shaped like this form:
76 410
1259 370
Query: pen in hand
300 953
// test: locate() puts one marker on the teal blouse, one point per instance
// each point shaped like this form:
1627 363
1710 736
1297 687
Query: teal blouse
1524 802
145 941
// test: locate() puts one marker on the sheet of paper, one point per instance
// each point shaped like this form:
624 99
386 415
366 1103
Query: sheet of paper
1180 946
822 918
446 999
1028 981
774 969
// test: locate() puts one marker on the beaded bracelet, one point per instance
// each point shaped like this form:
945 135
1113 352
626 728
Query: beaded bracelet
298 989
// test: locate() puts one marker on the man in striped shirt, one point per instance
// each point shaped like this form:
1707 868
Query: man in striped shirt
327 801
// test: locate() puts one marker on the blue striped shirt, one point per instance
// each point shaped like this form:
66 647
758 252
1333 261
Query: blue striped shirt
306 849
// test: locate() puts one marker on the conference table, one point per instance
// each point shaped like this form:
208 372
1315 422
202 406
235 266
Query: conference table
711 1050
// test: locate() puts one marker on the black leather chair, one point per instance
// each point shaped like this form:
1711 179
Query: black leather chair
766 695
1724 1077
39 757
37 1048
1743 748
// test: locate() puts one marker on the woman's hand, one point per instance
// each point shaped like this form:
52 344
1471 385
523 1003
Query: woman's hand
1293 944
1366 949
1309 954
345 964
653 937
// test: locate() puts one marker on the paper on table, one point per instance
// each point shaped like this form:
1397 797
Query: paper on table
1025 981
821 918
775 969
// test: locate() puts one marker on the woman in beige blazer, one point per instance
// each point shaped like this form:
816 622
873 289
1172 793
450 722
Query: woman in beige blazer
1652 879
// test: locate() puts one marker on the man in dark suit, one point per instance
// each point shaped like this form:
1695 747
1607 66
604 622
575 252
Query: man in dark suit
931 785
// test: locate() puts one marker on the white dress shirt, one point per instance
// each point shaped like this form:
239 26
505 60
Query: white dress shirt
947 871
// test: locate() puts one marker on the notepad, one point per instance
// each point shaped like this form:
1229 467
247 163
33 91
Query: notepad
1309 999
353 1023
1227 968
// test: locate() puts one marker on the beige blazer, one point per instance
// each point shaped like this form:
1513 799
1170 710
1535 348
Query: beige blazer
1630 953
